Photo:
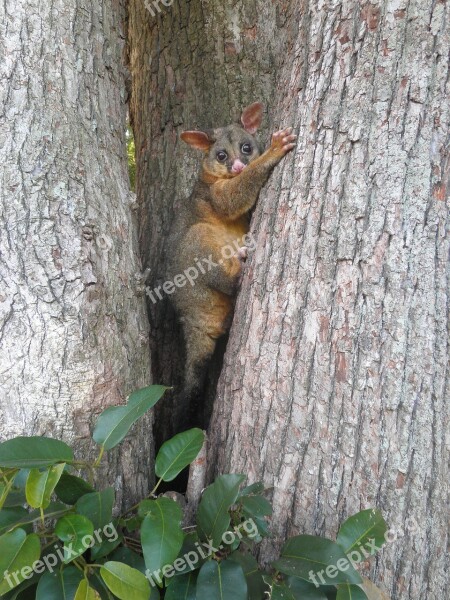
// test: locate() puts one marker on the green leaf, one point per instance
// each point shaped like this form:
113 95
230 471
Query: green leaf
97 507
115 422
302 590
350 592
85 592
17 551
182 587
252 490
70 488
6 484
41 484
16 495
20 480
213 518
10 517
130 558
253 575
132 523
111 540
59 585
53 511
34 452
366 528
262 526
190 554
177 453
256 506
125 582
71 530
99 585
279 591
221 581
307 556
161 533
25 591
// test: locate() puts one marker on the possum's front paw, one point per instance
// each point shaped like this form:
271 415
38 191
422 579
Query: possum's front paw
283 141
242 253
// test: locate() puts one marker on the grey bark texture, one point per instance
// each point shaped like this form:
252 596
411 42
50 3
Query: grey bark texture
335 379
73 332
335 385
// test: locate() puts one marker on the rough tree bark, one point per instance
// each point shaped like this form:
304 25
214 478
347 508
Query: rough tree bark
334 380
73 333
336 373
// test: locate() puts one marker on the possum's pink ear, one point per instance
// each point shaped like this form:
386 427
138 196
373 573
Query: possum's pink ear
252 116
197 139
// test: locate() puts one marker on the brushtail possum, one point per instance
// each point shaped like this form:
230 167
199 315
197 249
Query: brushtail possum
208 245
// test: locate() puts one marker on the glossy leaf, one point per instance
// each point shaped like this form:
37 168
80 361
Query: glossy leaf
97 507
25 591
130 558
71 488
161 533
85 592
59 584
253 489
350 592
221 581
306 554
252 573
182 587
111 538
125 582
262 526
41 484
34 452
53 511
302 590
280 591
6 484
256 506
213 518
177 453
10 517
190 554
365 529
17 551
96 581
16 495
72 530
115 422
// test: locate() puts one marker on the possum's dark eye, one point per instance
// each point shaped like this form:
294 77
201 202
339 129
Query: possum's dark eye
221 156
246 148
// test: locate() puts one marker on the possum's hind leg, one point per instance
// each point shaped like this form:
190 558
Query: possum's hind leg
200 338
199 349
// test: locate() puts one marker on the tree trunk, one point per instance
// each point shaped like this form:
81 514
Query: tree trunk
334 380
336 372
73 332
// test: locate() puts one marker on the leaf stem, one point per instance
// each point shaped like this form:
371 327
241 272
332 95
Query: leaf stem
152 493
99 457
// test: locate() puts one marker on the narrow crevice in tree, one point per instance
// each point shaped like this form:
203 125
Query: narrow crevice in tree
196 64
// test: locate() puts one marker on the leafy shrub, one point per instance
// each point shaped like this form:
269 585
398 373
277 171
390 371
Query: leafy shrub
59 538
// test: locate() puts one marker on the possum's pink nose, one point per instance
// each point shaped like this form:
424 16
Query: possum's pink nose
237 167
